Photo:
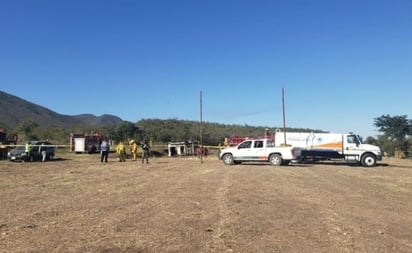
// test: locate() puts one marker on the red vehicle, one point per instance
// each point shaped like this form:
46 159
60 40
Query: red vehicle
7 141
85 143
234 140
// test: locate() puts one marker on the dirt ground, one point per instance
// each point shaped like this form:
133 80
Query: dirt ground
77 204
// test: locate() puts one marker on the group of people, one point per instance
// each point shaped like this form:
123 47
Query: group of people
121 151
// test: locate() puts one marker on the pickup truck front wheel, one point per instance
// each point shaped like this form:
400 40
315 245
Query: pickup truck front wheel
228 159
275 159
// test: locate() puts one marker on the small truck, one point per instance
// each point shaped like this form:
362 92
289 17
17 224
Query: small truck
259 150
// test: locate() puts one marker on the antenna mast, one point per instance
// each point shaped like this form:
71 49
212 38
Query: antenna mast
201 130
284 120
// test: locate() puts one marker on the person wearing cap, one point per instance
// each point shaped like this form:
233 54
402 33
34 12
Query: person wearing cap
133 149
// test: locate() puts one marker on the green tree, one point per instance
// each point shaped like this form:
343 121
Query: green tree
395 132
125 131
27 130
372 141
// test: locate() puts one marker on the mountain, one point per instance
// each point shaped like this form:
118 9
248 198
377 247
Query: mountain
16 110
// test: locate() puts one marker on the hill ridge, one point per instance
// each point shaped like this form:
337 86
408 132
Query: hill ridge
17 110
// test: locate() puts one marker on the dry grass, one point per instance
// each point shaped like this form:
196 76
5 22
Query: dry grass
77 204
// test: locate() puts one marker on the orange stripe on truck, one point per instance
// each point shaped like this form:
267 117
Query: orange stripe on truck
337 144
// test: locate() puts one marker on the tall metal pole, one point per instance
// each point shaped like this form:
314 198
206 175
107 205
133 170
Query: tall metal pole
201 130
284 120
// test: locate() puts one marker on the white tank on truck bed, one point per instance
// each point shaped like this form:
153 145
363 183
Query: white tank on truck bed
311 140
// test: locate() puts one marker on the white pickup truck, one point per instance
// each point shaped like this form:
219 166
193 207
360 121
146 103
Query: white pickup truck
259 150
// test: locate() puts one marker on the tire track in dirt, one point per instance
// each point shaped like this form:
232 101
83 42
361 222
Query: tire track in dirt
182 200
224 211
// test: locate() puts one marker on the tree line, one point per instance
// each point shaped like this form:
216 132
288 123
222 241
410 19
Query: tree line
394 137
155 130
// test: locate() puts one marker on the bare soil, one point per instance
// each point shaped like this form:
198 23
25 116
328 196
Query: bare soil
78 204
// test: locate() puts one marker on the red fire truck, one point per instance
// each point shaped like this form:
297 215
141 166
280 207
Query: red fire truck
234 140
7 141
85 143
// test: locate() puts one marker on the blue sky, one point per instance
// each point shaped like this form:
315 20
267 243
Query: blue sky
341 63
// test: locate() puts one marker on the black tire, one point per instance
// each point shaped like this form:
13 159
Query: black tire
286 162
228 159
275 159
3 154
368 160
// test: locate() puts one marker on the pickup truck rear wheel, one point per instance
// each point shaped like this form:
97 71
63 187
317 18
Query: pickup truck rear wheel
275 159
228 159
368 160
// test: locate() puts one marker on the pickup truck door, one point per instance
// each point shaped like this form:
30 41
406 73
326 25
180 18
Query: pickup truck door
258 150
244 151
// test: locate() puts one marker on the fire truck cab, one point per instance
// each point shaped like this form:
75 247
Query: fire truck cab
7 141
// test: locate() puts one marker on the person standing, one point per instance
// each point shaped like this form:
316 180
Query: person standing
27 149
146 151
133 149
104 147
43 152
121 152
